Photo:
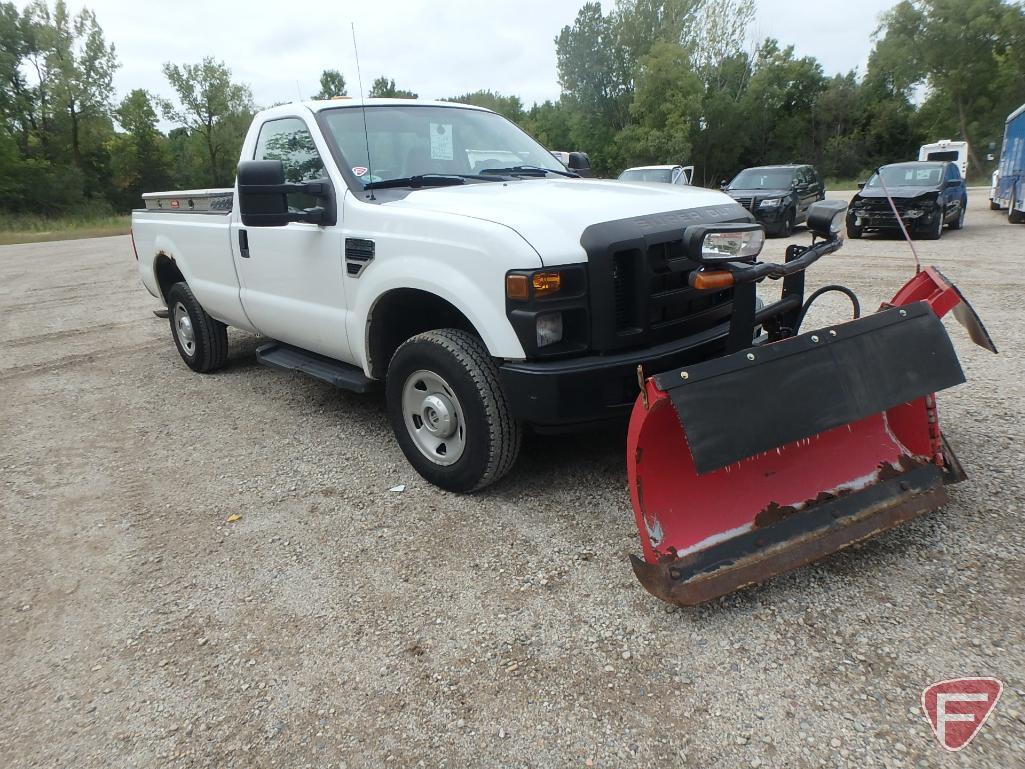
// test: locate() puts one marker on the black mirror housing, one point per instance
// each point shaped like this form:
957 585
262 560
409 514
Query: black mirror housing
263 196
826 218
861 185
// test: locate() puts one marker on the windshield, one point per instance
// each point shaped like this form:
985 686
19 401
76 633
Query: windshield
414 140
762 179
663 175
907 176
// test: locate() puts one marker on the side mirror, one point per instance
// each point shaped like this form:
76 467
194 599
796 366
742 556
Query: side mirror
263 196
579 163
861 185
826 218
722 184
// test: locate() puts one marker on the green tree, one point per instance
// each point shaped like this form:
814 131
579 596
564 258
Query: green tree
384 88
332 83
667 99
956 48
508 106
140 158
550 124
78 67
212 107
780 105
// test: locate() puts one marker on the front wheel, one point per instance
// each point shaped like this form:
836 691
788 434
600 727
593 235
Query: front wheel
853 230
935 231
448 410
958 223
786 229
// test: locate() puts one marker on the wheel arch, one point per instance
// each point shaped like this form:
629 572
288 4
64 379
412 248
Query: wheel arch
400 313
167 273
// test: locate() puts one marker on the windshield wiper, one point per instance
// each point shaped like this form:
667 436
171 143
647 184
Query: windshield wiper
529 171
427 180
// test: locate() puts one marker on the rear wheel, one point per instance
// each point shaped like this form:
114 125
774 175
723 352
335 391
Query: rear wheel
1013 215
201 341
993 205
448 411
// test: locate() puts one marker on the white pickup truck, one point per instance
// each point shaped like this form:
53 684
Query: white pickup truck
439 249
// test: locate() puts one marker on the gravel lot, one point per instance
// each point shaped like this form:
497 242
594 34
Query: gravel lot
338 624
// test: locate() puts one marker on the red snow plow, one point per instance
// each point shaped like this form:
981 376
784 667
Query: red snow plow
778 453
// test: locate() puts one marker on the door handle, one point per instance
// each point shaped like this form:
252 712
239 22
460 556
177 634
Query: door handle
243 244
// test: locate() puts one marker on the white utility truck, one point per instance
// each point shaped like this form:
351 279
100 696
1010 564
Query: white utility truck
438 249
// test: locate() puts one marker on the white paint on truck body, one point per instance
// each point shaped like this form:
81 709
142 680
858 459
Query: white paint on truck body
456 242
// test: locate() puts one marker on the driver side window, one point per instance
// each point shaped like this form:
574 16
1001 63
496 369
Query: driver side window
289 141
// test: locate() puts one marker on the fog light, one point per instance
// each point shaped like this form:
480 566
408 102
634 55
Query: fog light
549 328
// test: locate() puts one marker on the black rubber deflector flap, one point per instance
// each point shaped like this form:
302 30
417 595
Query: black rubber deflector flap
764 397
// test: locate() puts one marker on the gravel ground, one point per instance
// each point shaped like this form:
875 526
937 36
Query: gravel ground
337 624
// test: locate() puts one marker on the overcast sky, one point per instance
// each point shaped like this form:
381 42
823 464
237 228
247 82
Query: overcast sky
438 48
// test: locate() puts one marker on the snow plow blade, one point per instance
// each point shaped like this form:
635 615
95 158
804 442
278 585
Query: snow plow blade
765 460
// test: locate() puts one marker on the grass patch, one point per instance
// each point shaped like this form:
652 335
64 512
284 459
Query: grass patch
25 228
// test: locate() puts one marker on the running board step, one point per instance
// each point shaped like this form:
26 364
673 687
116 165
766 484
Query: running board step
341 375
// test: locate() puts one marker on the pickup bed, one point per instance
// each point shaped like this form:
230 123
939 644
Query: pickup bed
444 253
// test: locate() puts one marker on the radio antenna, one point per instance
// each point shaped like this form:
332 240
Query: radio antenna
363 109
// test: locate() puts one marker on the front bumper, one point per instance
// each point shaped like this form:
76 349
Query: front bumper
561 395
885 220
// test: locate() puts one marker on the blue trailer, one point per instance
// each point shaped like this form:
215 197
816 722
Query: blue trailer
1010 187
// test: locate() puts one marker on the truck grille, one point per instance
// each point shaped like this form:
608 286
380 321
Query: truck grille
745 202
652 301
637 280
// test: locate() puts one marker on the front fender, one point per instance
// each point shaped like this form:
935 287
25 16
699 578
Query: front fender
484 309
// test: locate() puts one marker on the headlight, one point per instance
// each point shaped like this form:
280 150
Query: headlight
545 283
723 242
770 202
549 328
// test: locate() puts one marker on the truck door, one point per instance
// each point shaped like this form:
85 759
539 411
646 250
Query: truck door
291 276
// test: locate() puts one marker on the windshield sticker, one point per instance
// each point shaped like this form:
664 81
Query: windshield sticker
441 141
359 170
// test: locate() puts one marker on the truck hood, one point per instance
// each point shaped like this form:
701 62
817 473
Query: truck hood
551 214
903 193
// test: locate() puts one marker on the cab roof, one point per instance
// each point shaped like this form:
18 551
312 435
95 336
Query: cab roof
319 105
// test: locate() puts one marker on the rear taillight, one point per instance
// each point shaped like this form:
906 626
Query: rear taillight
134 249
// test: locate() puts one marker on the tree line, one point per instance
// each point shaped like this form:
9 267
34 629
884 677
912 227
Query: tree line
651 81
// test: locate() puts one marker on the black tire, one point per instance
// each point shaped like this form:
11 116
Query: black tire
1014 216
491 437
853 231
993 205
958 223
208 349
786 229
935 231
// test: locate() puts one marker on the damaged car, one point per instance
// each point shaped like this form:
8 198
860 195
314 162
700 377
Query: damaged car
927 196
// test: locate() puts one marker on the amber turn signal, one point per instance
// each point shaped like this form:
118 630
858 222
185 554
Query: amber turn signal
712 279
517 287
546 283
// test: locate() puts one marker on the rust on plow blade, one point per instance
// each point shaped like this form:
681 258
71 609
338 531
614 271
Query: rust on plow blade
794 540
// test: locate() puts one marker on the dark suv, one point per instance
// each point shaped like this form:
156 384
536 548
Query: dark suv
778 196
